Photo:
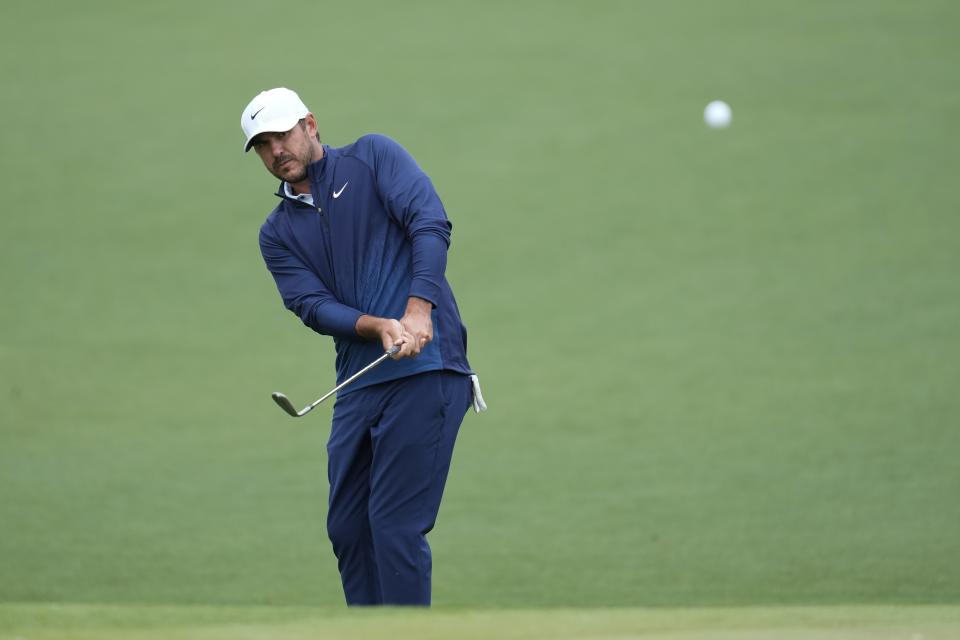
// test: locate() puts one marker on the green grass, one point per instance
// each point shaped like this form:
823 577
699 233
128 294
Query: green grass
721 365
75 622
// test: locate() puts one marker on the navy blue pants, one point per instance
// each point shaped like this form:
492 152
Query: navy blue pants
389 453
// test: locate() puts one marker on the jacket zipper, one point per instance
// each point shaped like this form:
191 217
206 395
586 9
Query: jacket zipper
328 245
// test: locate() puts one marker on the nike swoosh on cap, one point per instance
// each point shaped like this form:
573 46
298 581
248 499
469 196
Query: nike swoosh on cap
254 114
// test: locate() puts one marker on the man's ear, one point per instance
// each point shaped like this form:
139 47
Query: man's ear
311 124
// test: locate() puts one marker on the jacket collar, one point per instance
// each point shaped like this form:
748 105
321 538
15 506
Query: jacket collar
317 171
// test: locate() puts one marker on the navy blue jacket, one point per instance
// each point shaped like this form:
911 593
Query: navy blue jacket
377 235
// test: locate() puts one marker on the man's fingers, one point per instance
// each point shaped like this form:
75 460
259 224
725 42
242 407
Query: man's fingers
410 342
418 343
390 342
397 342
409 346
392 334
419 328
414 347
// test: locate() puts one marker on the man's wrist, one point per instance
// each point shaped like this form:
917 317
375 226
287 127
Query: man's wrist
418 305
368 327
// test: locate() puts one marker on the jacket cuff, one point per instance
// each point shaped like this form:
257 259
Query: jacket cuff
342 322
423 288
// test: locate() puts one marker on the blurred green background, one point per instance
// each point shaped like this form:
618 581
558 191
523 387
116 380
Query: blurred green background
722 365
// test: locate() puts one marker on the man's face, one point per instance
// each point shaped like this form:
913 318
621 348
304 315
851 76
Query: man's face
286 154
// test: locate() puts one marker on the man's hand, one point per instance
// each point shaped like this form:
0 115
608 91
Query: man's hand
417 322
390 332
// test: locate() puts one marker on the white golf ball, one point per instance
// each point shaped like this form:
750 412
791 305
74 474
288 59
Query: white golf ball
718 114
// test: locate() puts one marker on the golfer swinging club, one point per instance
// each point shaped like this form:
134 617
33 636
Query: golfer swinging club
358 247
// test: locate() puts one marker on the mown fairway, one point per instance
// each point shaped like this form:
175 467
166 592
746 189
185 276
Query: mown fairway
722 366
78 622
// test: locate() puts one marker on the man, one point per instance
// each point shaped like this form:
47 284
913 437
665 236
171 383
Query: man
358 246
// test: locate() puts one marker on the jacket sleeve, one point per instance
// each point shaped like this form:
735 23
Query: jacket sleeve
304 293
413 202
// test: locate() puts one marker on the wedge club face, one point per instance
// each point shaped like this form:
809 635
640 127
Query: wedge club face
285 404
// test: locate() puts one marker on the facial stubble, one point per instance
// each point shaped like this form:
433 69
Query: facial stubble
305 159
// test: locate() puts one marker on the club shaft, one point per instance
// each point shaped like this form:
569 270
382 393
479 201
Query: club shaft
350 379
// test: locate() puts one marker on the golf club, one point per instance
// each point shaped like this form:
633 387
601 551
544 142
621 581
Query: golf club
287 406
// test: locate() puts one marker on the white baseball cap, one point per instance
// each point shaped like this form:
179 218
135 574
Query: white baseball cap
278 109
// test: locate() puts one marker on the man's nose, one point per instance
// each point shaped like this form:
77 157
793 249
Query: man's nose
276 148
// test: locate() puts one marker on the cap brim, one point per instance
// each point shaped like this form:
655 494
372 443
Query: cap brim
271 126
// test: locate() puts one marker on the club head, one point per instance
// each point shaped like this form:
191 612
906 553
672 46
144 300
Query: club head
285 404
